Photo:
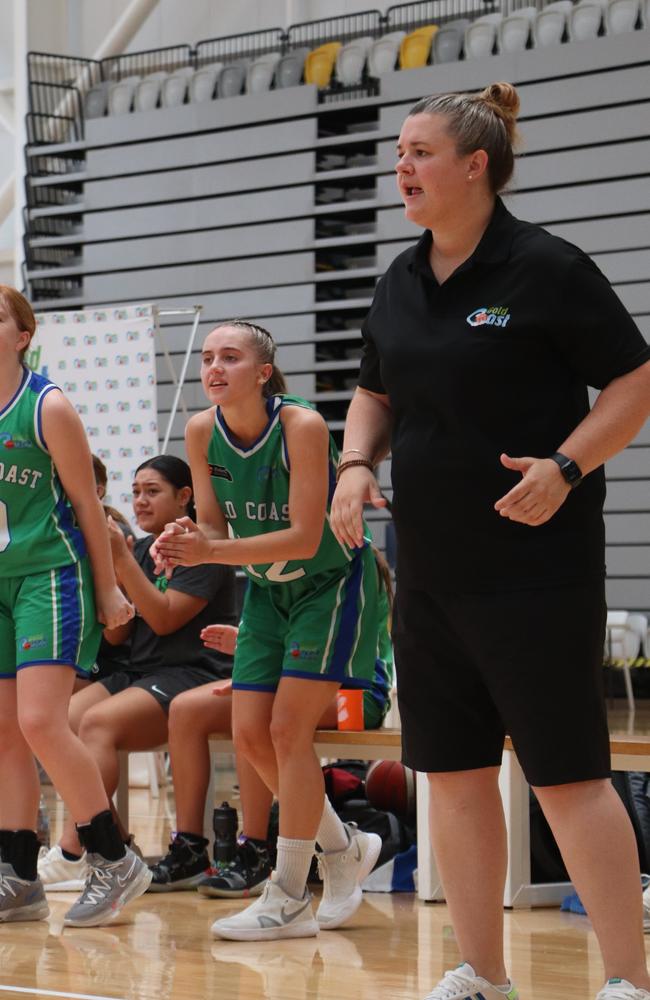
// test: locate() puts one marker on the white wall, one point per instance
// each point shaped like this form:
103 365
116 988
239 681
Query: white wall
77 27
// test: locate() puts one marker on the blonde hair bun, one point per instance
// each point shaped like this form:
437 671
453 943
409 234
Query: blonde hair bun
504 100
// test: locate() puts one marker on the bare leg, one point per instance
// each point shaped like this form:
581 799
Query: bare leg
597 842
43 694
130 720
19 785
193 715
468 836
256 800
298 706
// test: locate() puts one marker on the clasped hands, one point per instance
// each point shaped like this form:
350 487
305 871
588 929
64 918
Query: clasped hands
182 543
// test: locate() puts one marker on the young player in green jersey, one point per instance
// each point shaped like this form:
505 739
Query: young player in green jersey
263 467
53 548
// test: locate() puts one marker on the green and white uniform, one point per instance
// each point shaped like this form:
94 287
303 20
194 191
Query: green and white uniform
47 611
315 618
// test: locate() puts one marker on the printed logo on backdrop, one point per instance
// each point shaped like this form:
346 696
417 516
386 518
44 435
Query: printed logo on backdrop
107 371
489 316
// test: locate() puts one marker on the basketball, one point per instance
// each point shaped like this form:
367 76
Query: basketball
391 786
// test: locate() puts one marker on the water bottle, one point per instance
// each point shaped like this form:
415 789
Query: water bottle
224 824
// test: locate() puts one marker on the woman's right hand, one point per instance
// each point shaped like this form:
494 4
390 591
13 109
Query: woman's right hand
113 608
223 638
356 487
159 562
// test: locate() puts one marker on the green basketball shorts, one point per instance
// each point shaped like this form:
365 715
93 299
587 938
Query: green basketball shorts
49 617
322 627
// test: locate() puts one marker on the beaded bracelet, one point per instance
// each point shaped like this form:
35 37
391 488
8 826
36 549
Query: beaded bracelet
365 462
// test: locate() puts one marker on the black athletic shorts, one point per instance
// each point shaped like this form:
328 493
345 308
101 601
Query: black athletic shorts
163 686
473 667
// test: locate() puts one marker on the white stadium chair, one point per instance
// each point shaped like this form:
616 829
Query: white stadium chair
585 20
147 92
515 29
448 41
351 60
481 36
231 79
120 95
203 83
622 16
626 638
549 27
290 68
96 101
260 73
384 52
174 87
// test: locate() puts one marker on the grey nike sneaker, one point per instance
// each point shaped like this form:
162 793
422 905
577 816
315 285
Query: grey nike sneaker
21 899
109 886
273 915
342 873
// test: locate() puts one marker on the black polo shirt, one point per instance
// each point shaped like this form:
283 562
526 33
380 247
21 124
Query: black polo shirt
496 359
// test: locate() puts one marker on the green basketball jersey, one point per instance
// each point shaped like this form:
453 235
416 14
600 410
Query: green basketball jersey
38 530
252 488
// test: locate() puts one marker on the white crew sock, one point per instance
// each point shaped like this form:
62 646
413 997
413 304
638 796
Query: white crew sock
292 865
331 834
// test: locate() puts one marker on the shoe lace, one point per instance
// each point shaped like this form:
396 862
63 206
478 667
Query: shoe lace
98 882
452 983
6 888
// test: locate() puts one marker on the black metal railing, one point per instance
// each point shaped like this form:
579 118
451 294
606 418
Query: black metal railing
140 64
249 45
310 34
409 16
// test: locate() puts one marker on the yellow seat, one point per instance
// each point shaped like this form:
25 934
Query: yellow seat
319 64
415 48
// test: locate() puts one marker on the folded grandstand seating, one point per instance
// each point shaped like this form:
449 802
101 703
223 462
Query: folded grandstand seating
259 75
174 87
147 92
319 64
384 52
515 29
351 61
586 19
415 48
481 36
120 95
622 16
448 41
231 79
290 68
203 83
96 101
550 24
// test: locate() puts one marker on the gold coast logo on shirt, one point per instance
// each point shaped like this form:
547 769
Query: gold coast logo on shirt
490 316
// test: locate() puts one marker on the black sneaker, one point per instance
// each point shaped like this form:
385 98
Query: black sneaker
245 876
183 867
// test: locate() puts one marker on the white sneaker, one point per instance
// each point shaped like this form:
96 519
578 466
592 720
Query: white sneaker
273 915
645 883
620 989
60 875
342 873
463 984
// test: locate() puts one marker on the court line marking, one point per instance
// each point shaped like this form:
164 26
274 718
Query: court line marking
53 993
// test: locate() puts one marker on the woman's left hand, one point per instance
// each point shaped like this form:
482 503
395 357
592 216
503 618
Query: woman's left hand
182 543
541 492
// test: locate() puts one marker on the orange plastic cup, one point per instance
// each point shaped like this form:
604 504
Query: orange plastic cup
349 709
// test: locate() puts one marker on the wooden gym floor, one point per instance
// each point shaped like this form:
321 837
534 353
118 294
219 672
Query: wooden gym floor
395 948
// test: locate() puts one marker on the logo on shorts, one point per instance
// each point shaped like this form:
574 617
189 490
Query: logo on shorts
299 652
32 642
220 472
489 316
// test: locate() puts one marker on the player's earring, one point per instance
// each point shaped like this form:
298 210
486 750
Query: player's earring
470 177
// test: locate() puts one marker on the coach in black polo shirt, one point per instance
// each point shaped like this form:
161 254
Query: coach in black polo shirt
479 348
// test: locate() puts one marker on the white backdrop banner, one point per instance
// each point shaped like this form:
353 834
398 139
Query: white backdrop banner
104 360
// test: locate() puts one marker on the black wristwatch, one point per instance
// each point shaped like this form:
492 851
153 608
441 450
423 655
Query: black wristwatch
569 469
